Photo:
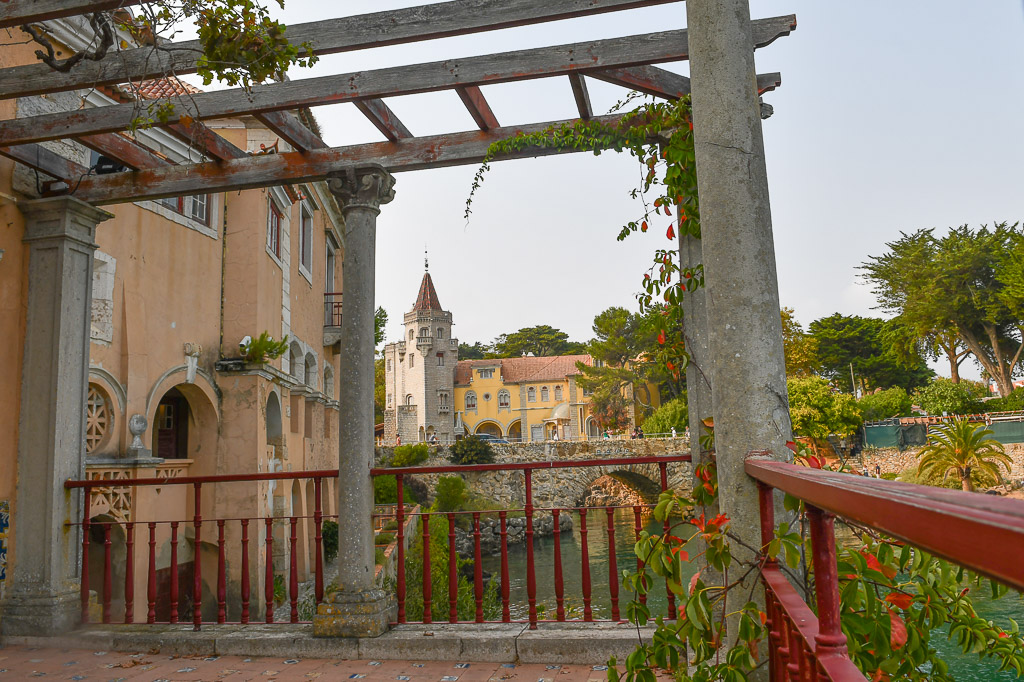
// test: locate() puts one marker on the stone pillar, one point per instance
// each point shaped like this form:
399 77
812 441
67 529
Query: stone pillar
751 408
695 330
43 597
357 609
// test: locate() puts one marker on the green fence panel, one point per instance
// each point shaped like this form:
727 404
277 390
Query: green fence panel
882 436
1008 432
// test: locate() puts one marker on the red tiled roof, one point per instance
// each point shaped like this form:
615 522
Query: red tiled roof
427 298
521 370
165 87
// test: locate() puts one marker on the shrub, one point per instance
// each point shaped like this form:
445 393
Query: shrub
262 348
818 412
378 556
942 395
450 494
330 532
673 413
892 402
410 455
385 490
472 450
890 475
1012 402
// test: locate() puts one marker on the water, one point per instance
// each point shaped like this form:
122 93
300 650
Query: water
965 668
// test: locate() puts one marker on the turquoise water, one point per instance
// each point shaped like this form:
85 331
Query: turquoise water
964 668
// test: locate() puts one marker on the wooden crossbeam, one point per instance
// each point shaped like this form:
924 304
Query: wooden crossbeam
436 151
120 148
662 83
206 141
16 12
581 95
329 36
383 119
597 55
766 82
42 159
290 129
477 106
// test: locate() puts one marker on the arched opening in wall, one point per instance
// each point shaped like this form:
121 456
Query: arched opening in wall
328 381
488 428
295 361
621 488
99 420
184 423
515 430
309 371
593 428
275 434
98 526
422 435
430 433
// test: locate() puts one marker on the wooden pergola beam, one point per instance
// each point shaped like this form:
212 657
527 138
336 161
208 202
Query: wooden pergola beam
451 149
43 160
581 95
17 12
476 104
597 55
290 129
329 36
659 82
120 148
206 141
383 119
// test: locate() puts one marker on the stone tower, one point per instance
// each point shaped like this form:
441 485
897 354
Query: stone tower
419 373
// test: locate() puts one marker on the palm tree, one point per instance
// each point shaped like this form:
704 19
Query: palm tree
962 448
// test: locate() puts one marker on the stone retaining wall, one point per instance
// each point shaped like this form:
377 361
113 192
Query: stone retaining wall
891 460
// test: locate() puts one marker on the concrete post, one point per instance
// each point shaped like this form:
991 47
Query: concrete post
44 589
357 609
751 408
695 331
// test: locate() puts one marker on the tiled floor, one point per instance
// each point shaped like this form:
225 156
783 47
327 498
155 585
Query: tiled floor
23 663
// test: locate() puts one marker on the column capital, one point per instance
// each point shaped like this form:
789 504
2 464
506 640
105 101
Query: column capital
362 187
61 218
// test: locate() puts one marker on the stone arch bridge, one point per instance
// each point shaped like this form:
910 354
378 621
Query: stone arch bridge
563 487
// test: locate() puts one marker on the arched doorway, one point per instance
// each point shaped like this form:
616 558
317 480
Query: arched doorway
170 428
593 428
488 428
515 431
184 421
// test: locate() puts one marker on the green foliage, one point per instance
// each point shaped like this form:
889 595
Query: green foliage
861 341
410 455
944 396
892 402
1011 403
329 530
961 447
385 490
937 479
817 411
471 450
450 494
477 351
541 340
378 556
279 589
379 390
380 321
673 413
263 348
801 349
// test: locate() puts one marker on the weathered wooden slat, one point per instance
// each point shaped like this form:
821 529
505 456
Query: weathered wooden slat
290 129
42 159
206 141
767 82
477 106
383 119
662 83
435 151
497 68
17 12
329 36
119 147
581 95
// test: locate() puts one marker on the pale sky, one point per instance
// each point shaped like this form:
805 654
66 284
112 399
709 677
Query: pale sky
891 116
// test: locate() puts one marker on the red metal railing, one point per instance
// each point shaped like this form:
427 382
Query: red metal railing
332 309
961 527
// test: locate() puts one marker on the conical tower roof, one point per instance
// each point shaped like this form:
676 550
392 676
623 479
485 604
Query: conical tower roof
427 298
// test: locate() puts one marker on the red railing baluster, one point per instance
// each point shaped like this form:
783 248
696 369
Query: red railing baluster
268 580
318 540
151 578
531 575
588 614
129 573
87 493
174 572
453 577
293 576
400 520
663 471
613 565
197 565
795 667
108 573
559 584
478 574
245 572
505 614
637 529
427 596
222 581
830 640
766 506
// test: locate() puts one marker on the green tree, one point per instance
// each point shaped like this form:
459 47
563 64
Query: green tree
969 283
818 411
801 349
860 341
471 450
960 447
540 340
892 402
380 321
671 414
943 396
378 390
477 351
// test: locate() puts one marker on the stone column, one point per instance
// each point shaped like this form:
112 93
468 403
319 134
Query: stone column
357 609
695 330
751 408
43 597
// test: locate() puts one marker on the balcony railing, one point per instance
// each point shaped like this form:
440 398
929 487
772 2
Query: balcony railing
332 309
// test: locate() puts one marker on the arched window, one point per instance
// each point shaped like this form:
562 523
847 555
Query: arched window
504 400
531 394
470 401
544 394
328 381
440 332
409 400
309 371
411 358
97 418
412 335
424 332
443 400
558 392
